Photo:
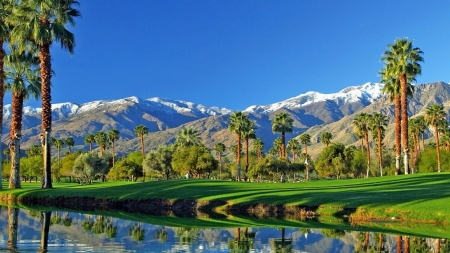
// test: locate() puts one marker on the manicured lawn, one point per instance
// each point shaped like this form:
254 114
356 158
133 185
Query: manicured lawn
415 197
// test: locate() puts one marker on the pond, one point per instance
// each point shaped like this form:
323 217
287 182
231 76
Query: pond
25 230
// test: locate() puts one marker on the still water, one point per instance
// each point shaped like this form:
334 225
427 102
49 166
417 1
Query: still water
34 231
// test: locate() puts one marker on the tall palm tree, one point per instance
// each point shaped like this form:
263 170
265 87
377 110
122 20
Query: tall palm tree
188 137
294 147
362 122
22 79
70 142
414 130
5 31
113 135
248 134
89 139
258 146
434 117
326 137
305 139
43 22
282 123
420 120
102 141
220 149
403 64
378 123
237 125
140 131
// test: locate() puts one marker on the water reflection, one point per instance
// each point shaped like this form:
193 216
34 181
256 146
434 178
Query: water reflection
34 231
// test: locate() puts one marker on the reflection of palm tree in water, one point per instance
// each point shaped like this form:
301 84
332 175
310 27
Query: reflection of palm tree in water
99 225
137 232
87 224
161 235
186 235
13 217
67 221
45 227
282 244
242 243
55 219
111 230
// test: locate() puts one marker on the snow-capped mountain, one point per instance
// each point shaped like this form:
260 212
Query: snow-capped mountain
366 94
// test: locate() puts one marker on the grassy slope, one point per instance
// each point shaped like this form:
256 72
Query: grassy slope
415 197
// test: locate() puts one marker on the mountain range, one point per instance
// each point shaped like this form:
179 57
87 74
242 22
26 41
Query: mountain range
313 112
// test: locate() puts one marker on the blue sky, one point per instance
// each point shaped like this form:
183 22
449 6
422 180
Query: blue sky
237 53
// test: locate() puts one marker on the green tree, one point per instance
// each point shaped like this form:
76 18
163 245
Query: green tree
43 22
113 136
326 137
70 142
194 160
58 144
361 123
332 161
282 123
278 145
378 123
403 64
220 149
88 165
237 125
159 161
125 169
89 139
435 117
22 79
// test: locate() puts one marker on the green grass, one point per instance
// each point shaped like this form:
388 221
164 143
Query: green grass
420 197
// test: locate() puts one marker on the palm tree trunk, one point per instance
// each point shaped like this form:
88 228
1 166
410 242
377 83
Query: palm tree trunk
90 146
398 139
15 135
246 158
399 243
45 228
380 242
2 95
283 144
239 157
406 244
366 137
404 106
114 153
306 162
143 152
380 154
437 148
46 76
423 141
221 165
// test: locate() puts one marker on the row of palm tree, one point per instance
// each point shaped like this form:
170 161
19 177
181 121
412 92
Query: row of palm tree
29 28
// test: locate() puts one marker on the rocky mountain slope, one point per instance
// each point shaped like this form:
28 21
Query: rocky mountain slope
313 112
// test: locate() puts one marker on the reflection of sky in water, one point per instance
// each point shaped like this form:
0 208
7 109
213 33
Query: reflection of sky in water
82 237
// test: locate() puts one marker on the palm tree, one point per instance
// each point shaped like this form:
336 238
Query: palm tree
113 135
237 125
22 79
258 146
420 120
188 137
58 144
43 22
378 123
247 134
278 145
140 131
102 141
326 137
434 117
392 88
282 123
361 122
89 139
305 139
294 147
5 29
402 64
414 130
220 149
70 142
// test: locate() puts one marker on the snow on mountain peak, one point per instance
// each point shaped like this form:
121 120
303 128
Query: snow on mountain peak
367 92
